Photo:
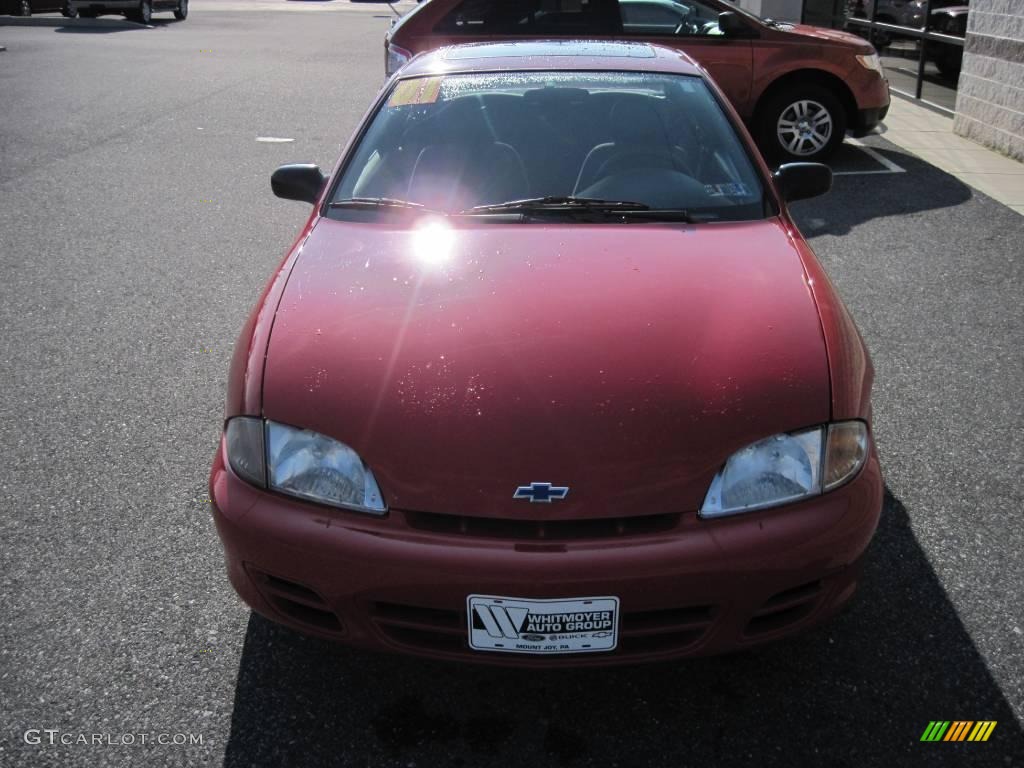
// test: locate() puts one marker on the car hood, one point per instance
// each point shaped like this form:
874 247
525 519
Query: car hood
625 361
829 35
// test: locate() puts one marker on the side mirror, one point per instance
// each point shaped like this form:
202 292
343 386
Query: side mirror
797 181
729 24
298 181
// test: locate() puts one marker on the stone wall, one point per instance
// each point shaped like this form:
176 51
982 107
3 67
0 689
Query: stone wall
990 99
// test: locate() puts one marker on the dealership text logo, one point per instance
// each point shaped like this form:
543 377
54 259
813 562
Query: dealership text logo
958 730
513 623
55 736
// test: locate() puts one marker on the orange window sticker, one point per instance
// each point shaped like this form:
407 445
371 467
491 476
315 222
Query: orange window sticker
422 90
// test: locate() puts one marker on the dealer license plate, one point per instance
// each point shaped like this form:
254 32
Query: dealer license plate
519 625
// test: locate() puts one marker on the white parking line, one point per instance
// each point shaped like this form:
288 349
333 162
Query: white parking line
889 165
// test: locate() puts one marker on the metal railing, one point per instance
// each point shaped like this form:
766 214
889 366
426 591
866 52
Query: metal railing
924 34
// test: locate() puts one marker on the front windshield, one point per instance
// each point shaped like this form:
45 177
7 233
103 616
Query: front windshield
456 142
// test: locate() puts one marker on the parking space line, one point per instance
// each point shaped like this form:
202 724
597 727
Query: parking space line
889 165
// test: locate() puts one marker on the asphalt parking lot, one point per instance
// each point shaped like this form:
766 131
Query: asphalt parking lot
138 228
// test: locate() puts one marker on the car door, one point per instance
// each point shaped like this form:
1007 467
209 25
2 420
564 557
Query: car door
730 60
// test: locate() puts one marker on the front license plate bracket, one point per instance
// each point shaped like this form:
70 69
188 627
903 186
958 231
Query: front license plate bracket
542 627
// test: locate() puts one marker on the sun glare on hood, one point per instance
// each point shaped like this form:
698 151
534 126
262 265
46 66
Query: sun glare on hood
432 243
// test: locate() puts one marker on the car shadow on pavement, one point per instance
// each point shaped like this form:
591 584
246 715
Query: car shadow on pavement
859 691
101 25
856 199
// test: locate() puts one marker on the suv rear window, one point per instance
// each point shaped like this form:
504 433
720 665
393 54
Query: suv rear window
532 17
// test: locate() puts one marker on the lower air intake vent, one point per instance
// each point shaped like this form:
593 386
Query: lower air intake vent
640 633
786 608
532 530
296 602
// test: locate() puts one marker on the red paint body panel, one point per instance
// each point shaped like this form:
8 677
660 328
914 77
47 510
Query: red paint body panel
632 359
627 361
850 367
245 376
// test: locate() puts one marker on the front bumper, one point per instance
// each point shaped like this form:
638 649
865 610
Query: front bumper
871 93
703 587
868 119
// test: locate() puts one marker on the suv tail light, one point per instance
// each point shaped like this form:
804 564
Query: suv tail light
394 58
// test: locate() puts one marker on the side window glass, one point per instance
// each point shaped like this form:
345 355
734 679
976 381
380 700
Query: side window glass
482 17
531 17
702 20
659 18
648 19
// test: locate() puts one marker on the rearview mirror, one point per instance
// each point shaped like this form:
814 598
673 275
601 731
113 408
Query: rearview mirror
298 181
797 181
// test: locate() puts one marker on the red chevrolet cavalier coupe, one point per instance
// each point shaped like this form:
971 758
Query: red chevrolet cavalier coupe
549 376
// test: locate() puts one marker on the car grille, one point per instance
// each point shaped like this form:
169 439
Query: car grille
640 632
531 530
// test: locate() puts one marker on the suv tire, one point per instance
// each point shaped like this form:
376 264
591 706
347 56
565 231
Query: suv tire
144 13
805 122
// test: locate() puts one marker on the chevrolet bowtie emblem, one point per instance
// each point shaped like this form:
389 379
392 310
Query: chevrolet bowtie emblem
541 492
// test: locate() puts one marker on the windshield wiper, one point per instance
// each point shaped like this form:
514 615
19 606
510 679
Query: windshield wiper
556 203
626 210
372 203
604 209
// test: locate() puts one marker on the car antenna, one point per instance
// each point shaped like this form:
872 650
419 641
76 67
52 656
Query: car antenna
397 14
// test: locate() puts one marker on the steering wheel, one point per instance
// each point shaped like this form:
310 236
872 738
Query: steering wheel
639 160
661 188
687 24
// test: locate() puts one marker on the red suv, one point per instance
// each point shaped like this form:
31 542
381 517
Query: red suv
799 88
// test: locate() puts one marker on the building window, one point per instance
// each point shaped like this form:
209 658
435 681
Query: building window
920 42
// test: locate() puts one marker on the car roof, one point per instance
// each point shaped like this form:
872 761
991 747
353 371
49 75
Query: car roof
566 55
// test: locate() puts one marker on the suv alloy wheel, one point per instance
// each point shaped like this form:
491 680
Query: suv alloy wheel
805 123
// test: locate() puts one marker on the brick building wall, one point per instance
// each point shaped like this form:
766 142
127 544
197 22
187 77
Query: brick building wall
990 99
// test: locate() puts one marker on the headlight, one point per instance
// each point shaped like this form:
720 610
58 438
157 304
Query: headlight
871 61
302 463
787 467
